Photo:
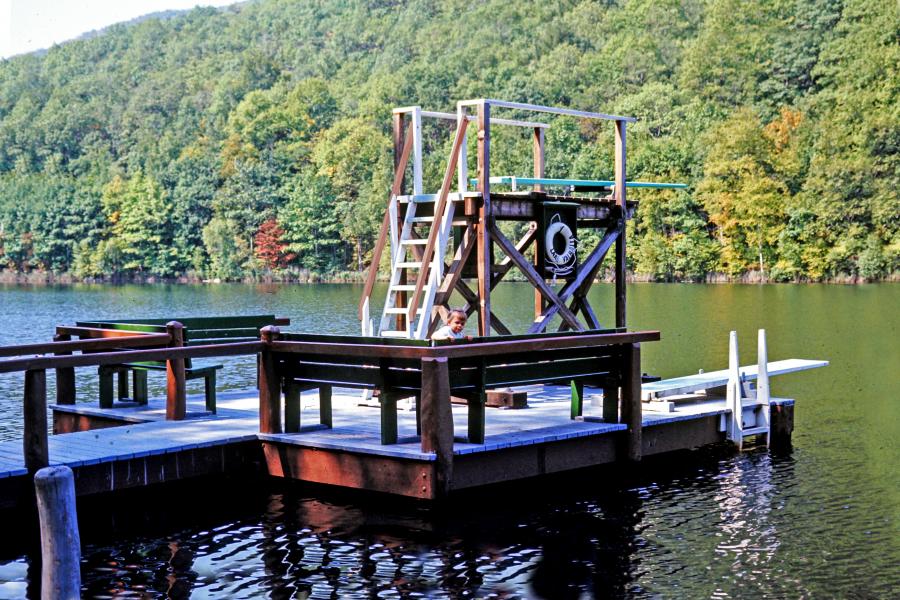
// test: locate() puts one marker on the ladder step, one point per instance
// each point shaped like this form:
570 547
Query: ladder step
755 430
397 311
416 242
403 288
455 222
396 334
409 265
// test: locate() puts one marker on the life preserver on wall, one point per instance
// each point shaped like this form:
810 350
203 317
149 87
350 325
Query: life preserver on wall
561 263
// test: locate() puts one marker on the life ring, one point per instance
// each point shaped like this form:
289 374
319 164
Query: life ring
568 254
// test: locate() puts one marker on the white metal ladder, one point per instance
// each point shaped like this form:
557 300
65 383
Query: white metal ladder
749 409
408 244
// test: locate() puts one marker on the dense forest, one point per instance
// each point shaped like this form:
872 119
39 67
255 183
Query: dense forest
254 141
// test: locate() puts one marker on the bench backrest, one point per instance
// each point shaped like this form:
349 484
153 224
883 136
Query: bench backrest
197 330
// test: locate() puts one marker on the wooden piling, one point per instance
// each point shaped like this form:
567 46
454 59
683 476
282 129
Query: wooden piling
631 401
65 376
60 542
176 394
437 420
35 426
269 384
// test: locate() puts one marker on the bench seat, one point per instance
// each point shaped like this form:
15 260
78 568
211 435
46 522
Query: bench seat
197 331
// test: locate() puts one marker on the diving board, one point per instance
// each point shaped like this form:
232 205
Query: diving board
704 381
514 182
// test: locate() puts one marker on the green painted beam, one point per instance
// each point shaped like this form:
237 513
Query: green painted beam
510 180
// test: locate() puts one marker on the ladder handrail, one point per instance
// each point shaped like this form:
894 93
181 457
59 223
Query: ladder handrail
439 208
385 223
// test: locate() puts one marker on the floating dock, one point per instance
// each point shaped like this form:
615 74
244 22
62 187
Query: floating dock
120 448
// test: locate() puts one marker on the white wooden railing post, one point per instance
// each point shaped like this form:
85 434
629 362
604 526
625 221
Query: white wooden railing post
762 384
733 393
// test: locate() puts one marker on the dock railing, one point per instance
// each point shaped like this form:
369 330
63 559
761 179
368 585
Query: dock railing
103 347
431 373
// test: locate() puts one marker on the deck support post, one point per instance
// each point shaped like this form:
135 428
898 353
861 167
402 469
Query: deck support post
269 384
781 426
176 394
34 437
60 541
437 420
631 401
65 376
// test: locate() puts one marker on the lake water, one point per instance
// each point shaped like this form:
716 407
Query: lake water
821 521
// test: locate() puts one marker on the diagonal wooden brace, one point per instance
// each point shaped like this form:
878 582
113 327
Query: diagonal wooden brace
582 282
536 280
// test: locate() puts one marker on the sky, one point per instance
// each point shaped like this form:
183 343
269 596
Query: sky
27 25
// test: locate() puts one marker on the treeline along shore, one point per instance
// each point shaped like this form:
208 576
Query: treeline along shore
253 142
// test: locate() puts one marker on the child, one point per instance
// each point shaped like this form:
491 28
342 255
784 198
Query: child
453 330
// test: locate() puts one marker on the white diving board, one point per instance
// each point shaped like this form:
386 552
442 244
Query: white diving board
704 381
514 182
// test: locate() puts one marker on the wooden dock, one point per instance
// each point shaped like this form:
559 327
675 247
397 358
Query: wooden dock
136 446
305 421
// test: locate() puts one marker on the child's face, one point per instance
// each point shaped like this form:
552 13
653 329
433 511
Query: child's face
457 323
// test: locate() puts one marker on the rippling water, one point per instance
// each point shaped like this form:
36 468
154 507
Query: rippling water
822 521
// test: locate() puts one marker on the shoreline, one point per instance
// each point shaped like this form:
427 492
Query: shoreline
40 278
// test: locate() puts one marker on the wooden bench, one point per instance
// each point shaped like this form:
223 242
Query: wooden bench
197 331
397 377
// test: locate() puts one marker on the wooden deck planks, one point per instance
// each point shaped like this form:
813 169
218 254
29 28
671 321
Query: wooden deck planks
356 428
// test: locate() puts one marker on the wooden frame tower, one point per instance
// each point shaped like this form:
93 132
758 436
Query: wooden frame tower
418 228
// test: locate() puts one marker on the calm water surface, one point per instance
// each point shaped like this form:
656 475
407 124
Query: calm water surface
822 521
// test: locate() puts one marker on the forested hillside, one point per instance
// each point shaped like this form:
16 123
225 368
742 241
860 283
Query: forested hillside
255 141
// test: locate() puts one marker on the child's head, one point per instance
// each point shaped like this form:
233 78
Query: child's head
456 320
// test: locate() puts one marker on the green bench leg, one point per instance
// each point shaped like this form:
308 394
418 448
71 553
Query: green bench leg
139 381
476 418
325 405
292 407
577 398
209 390
123 382
106 386
611 404
388 418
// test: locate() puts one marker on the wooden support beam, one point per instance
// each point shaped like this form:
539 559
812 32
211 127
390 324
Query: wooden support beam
472 305
269 384
536 280
631 400
34 435
397 186
437 420
65 376
484 216
539 167
586 273
176 394
453 271
620 193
